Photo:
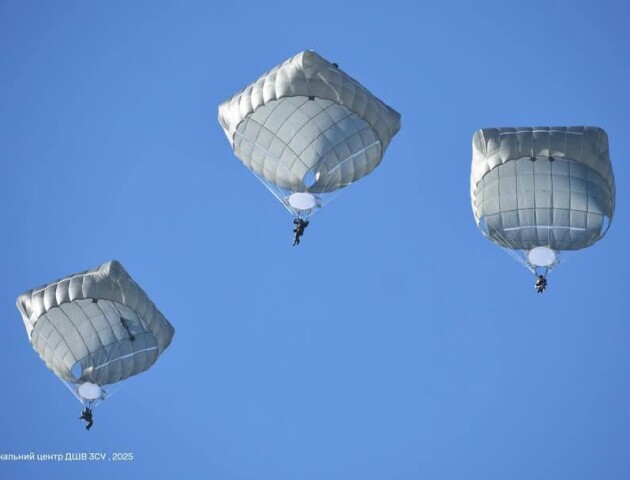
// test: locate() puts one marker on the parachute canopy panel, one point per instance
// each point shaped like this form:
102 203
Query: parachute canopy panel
542 186
306 119
96 326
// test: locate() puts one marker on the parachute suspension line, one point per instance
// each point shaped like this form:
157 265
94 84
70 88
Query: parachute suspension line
506 240
65 382
72 390
275 191
512 253
538 272
281 197
518 258
110 392
503 240
330 195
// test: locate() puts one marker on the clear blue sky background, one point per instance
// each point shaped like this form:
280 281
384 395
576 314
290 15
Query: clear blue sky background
395 342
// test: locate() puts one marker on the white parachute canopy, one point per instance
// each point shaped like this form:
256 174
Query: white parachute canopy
539 191
307 128
94 328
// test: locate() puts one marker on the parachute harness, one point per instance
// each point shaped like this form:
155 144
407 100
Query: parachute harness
541 281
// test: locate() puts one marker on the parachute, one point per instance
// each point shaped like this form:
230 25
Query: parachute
94 329
306 129
540 191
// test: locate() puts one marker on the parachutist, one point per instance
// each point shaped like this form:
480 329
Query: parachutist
541 284
86 415
300 226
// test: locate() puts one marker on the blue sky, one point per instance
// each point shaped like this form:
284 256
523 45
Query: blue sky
395 342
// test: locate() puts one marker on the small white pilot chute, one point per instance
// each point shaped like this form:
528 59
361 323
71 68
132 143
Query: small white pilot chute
541 257
302 201
89 392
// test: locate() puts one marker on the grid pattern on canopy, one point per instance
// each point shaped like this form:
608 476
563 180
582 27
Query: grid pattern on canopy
303 144
109 341
542 186
88 319
560 204
308 126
